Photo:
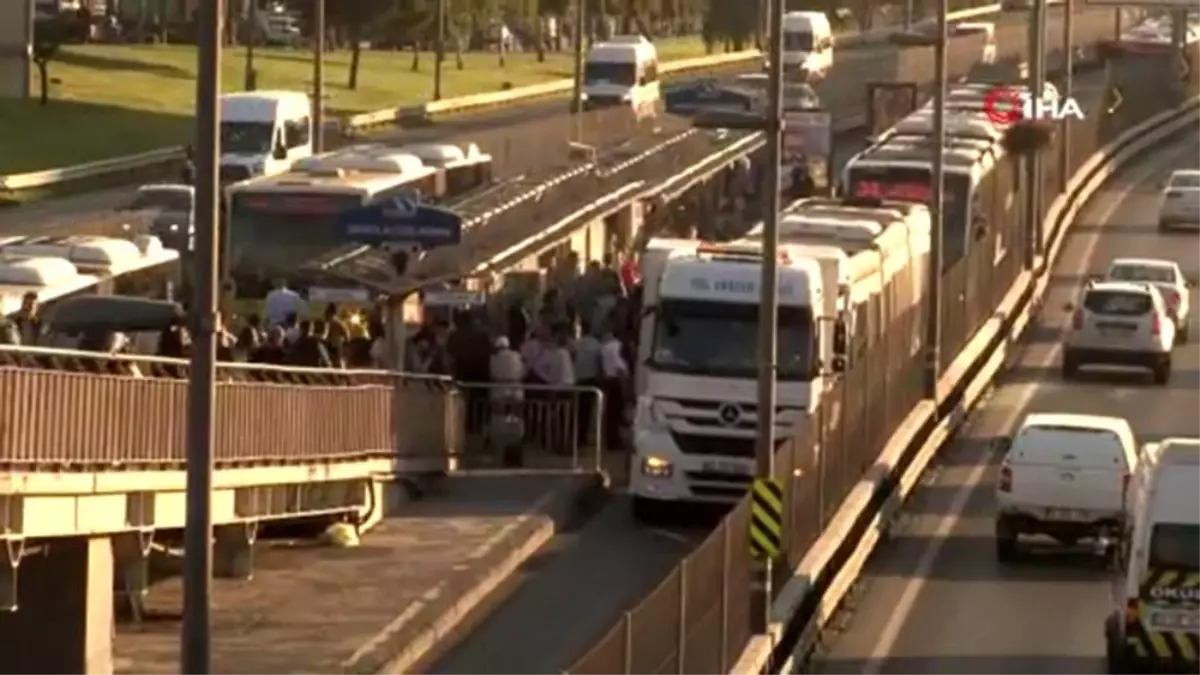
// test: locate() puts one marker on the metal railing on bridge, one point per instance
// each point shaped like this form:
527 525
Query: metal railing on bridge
87 410
71 410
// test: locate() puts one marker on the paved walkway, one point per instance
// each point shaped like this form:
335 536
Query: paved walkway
323 610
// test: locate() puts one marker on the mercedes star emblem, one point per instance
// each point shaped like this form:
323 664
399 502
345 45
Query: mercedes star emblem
729 413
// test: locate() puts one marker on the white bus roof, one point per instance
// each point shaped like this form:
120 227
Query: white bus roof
444 154
355 170
53 267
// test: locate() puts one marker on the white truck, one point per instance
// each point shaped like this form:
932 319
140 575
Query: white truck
695 425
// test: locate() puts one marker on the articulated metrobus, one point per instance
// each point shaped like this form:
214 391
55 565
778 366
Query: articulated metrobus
51 269
276 224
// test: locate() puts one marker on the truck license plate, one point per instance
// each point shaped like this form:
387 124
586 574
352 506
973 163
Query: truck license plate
736 468
1174 620
1066 514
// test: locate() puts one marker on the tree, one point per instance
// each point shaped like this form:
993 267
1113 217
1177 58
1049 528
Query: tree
48 37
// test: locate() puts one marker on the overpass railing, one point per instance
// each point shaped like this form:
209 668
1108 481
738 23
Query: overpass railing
77 410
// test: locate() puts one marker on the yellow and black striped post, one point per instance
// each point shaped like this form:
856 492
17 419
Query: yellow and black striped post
766 519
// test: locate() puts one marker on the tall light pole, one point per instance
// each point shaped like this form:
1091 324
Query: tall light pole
768 304
439 50
933 281
318 134
251 77
197 567
770 122
1037 91
577 86
933 327
1069 49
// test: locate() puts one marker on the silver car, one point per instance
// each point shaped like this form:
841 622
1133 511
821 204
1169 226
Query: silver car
1181 201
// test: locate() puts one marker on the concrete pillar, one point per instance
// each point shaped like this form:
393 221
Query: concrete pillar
64 623
16 41
234 551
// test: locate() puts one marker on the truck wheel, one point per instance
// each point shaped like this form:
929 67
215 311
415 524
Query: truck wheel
648 511
1007 548
1070 366
1116 656
1162 372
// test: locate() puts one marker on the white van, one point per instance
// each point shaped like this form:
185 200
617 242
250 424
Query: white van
622 71
1064 476
807 43
1155 627
263 132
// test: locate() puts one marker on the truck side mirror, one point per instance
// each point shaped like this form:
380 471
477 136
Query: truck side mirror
841 339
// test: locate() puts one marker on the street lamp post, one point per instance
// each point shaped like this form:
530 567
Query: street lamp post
933 323
771 122
1037 91
1069 48
577 85
197 567
439 50
318 133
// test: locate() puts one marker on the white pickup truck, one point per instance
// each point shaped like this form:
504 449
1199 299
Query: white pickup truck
1066 477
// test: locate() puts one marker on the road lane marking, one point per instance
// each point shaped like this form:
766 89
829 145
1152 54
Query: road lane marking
1019 401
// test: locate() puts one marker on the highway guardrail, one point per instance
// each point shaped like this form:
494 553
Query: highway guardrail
147 165
804 605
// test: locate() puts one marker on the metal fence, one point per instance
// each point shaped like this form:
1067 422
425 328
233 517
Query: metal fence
86 410
698 619
524 424
75 410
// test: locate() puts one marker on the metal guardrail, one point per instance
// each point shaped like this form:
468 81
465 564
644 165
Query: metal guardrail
123 169
71 410
521 424
78 410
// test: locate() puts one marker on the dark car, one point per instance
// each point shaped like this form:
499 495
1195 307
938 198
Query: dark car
689 98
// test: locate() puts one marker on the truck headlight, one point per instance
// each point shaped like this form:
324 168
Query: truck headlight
656 467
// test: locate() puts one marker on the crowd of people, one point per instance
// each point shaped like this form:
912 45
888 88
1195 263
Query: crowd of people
581 333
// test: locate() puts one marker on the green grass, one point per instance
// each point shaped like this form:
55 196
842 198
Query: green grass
114 100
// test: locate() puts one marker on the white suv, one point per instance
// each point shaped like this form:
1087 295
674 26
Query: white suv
1120 323
1164 275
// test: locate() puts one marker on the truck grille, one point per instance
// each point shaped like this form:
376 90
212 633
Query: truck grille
693 444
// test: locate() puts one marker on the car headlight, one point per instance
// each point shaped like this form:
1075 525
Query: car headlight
647 415
656 467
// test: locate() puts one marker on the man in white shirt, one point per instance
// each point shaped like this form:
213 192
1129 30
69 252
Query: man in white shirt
614 375
283 301
553 366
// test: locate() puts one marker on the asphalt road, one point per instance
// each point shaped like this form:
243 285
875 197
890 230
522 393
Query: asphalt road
934 599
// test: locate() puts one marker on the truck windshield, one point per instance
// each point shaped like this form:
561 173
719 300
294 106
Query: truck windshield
720 339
